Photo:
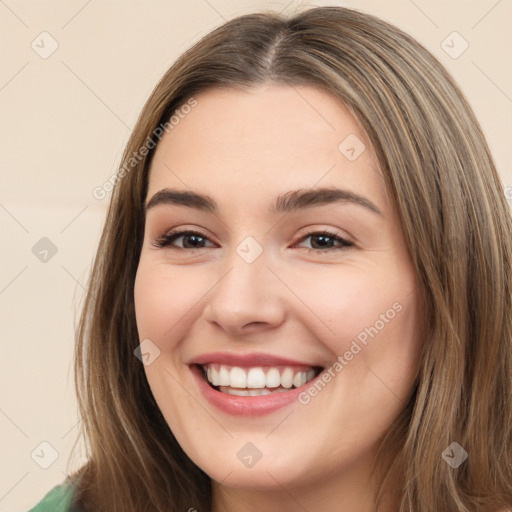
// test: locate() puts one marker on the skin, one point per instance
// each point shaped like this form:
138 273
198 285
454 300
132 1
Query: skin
242 149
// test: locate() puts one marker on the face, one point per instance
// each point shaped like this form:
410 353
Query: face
302 312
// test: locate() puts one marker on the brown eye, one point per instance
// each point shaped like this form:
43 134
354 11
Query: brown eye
322 241
325 240
191 240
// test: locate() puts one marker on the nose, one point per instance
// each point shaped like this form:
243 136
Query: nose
247 298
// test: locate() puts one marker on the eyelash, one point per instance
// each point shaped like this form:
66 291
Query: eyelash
167 239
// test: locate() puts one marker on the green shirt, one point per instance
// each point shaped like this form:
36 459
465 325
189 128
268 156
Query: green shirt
57 500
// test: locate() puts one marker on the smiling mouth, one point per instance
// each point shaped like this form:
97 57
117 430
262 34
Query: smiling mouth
256 380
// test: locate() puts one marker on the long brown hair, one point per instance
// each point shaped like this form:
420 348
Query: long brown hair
457 225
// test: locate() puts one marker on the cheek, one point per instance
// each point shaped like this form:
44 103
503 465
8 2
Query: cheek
354 304
369 322
164 304
164 301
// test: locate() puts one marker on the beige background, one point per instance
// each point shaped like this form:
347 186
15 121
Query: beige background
63 124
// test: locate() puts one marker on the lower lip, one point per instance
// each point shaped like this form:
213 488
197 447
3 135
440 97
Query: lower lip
246 405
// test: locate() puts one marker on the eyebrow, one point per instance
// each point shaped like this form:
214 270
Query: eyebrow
290 201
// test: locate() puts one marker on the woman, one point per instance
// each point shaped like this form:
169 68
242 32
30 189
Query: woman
302 295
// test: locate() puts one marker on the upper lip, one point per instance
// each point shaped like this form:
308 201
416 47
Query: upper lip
252 359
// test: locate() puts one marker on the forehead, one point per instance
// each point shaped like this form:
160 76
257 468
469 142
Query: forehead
252 145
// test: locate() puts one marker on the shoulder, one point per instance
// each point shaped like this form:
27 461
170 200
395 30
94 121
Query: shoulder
56 500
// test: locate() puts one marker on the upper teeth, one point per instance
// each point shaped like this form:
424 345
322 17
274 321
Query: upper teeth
257 377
